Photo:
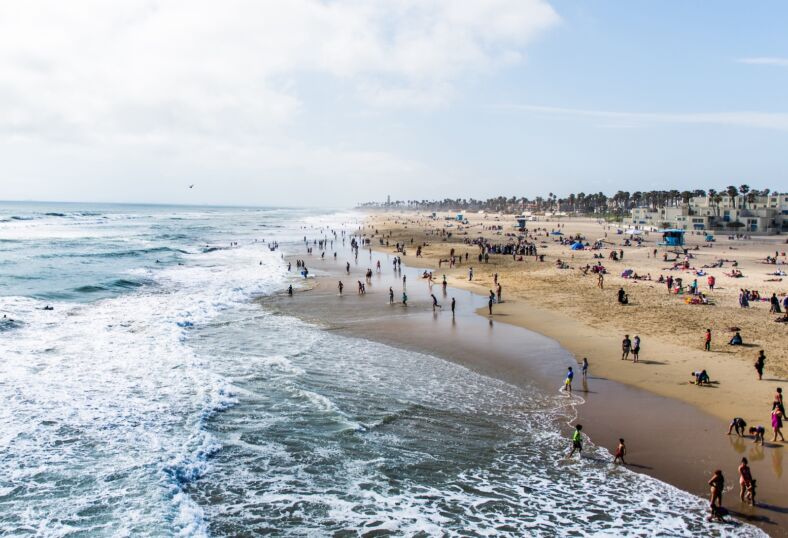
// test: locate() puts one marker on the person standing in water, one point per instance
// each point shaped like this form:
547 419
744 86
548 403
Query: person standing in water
621 451
391 295
585 368
570 375
577 440
745 479
490 301
341 287
453 306
434 302
404 299
717 484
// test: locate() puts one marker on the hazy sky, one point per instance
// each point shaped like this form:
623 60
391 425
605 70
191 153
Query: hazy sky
307 102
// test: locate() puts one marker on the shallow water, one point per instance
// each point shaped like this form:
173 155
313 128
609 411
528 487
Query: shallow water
157 399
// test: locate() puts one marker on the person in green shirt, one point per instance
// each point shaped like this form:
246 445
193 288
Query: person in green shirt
577 440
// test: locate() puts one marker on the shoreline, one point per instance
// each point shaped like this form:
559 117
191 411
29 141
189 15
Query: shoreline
674 429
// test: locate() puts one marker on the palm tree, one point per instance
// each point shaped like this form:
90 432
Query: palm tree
744 189
732 192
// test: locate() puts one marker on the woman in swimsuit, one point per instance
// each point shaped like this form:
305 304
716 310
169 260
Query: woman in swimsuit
717 484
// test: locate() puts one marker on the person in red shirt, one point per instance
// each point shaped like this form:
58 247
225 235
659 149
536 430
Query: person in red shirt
707 345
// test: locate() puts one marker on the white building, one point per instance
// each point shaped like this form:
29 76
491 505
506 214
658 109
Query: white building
760 215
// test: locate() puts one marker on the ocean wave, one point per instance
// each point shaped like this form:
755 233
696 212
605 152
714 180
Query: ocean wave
132 253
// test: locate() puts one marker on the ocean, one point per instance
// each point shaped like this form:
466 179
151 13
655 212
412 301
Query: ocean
157 398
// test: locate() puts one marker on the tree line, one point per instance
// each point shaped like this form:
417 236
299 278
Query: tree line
598 203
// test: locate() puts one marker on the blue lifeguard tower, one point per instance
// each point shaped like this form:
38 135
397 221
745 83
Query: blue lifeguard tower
672 238
460 217
521 222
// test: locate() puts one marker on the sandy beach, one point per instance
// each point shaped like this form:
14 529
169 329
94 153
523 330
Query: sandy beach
677 430
569 307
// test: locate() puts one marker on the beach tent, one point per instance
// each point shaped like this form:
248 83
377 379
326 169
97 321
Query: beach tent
577 246
672 237
633 232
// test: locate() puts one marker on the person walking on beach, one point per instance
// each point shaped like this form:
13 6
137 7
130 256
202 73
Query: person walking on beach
636 349
626 345
340 286
759 363
490 301
434 302
707 341
621 451
777 424
577 441
745 479
470 274
600 280
404 299
585 368
453 306
391 295
570 375
347 267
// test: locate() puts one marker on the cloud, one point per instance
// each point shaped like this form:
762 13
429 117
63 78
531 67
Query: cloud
760 120
766 60
147 89
143 66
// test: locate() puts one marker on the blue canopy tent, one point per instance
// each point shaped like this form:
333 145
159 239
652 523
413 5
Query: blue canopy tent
672 237
577 246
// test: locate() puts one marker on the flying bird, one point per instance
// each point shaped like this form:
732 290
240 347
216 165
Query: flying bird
191 186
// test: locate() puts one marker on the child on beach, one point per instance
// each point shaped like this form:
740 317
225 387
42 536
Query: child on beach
577 441
621 451
570 375
585 367
707 344
636 349
757 433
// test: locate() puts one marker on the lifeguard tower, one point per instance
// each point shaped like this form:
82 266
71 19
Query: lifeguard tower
521 220
672 238
460 218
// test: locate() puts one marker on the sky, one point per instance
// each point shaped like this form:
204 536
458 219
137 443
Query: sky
336 102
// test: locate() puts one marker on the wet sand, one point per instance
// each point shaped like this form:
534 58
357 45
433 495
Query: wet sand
667 439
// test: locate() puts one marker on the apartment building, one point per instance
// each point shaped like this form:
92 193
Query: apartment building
736 214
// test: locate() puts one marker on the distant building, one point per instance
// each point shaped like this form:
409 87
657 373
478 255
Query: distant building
388 201
732 214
